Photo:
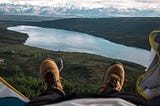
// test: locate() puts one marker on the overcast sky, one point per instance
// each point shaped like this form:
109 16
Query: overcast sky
91 3
110 7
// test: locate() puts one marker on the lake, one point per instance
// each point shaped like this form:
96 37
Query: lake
63 40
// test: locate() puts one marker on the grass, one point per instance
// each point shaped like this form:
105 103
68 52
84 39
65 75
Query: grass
82 72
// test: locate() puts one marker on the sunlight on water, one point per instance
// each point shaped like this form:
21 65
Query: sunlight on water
63 40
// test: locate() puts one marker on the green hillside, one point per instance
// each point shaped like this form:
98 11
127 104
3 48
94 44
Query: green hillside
19 65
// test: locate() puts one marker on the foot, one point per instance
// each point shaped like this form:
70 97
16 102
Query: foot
113 78
49 75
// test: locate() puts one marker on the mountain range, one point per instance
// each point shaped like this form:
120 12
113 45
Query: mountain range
80 11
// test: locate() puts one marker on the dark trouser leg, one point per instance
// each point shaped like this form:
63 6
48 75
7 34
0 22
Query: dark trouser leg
47 97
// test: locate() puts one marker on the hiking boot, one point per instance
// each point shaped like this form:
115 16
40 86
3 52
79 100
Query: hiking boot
49 75
113 78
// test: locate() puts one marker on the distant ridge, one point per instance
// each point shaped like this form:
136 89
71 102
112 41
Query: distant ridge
33 18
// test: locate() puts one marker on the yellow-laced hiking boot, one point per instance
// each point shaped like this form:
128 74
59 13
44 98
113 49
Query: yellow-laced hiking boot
49 75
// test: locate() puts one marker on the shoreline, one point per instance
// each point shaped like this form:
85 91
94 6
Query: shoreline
104 52
129 31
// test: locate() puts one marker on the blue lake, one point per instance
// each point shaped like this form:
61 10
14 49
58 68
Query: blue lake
63 40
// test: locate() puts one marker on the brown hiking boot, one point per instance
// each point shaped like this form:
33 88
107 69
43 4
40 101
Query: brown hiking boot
113 78
49 75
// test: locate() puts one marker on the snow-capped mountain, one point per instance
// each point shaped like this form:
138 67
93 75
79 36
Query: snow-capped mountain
91 8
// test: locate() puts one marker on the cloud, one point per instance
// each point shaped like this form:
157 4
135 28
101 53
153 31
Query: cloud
147 1
89 8
85 3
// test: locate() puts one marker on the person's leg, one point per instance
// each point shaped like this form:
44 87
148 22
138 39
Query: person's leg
113 79
49 75
113 82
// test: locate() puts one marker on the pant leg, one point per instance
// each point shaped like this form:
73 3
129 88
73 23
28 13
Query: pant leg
47 97
110 92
